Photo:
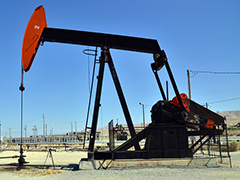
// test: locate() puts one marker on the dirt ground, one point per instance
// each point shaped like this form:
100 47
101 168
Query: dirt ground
66 166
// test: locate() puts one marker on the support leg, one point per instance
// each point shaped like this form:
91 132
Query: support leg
122 99
97 102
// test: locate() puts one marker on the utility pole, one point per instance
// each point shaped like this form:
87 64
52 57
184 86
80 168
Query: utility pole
10 136
43 125
207 105
25 128
52 129
76 126
71 128
189 85
35 133
167 90
143 115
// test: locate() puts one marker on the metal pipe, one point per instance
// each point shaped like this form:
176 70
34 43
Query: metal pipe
143 115
189 85
21 160
90 98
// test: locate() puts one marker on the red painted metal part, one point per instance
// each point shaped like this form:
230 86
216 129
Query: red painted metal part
31 39
184 99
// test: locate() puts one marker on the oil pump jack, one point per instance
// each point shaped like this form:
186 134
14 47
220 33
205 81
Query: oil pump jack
167 135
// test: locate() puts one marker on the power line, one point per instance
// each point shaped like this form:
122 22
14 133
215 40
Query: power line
215 102
14 125
194 73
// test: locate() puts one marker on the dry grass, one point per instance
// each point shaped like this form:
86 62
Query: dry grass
142 164
224 162
49 172
148 162
233 146
39 172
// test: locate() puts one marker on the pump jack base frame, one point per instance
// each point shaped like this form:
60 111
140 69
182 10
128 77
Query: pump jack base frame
172 142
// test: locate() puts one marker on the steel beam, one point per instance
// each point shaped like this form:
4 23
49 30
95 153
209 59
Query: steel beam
159 82
121 98
143 154
100 39
206 113
174 84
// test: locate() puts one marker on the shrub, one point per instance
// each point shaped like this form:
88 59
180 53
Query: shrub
233 146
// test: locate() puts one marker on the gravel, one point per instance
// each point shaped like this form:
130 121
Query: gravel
139 172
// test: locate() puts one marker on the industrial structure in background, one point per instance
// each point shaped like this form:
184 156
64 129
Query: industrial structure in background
42 141
173 121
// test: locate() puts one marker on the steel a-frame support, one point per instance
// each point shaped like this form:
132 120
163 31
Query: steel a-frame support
160 59
106 57
97 102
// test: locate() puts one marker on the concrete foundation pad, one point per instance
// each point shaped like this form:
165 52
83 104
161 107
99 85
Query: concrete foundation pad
86 164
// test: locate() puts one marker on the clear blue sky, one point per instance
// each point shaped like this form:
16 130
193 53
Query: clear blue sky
196 35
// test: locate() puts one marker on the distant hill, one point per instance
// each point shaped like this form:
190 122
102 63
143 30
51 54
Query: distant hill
232 117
